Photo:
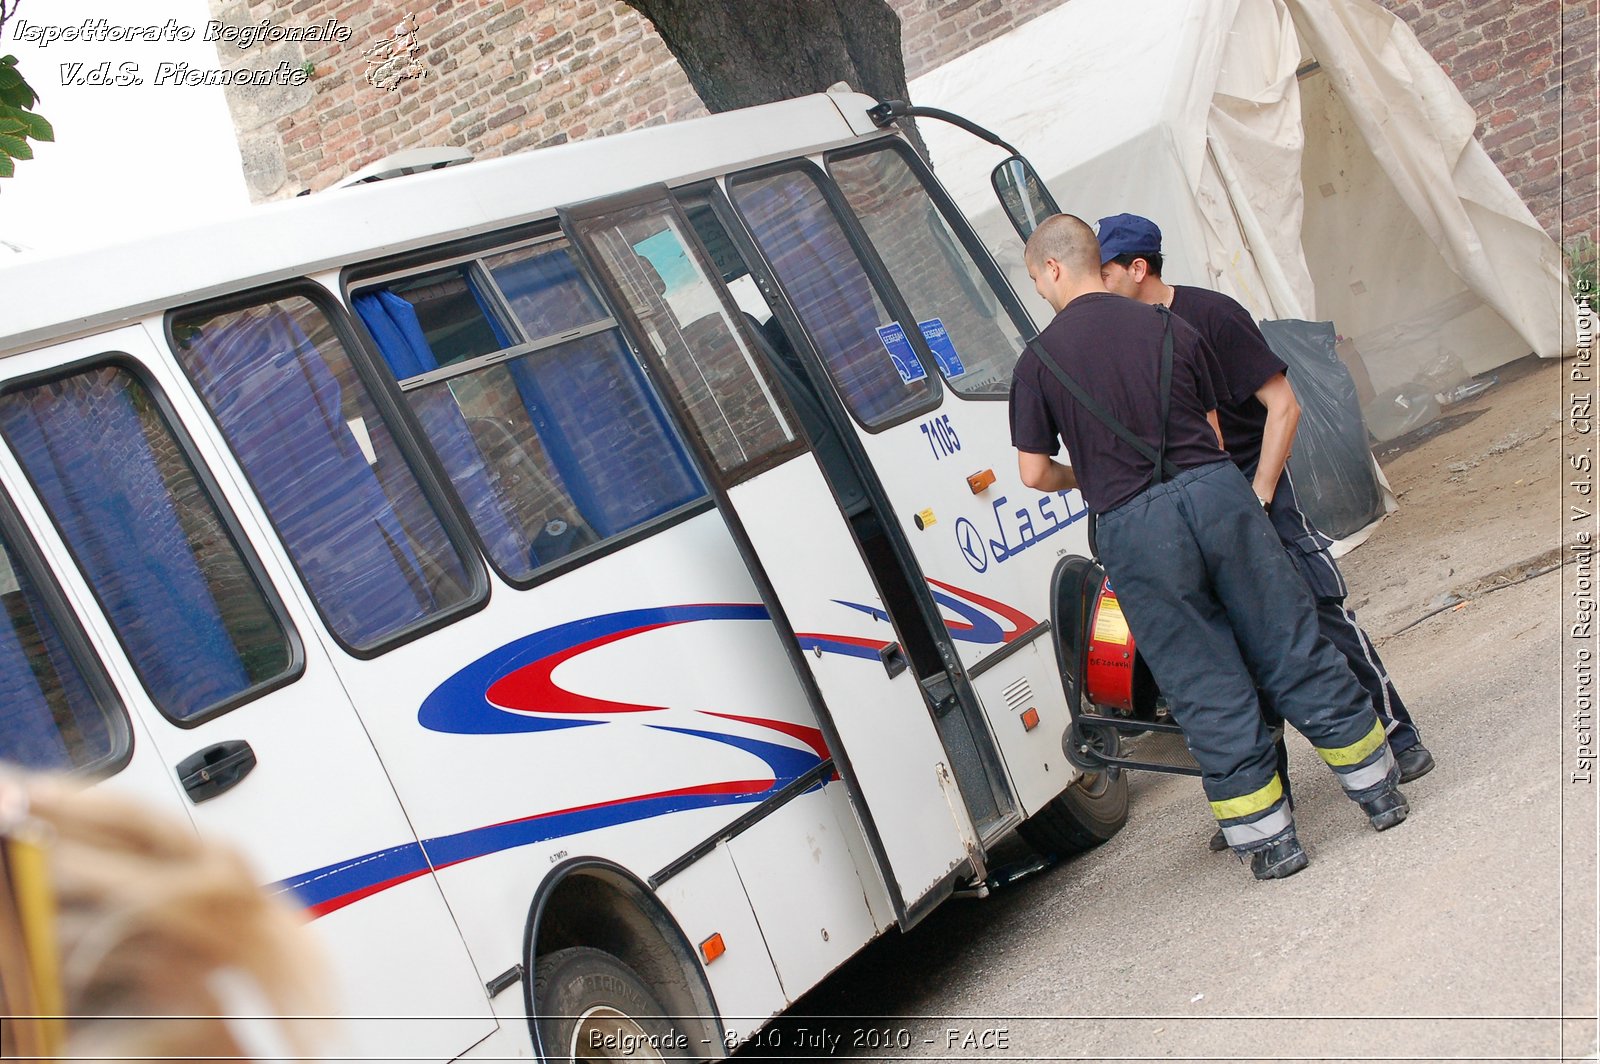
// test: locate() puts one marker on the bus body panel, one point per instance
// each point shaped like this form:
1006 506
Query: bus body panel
1029 680
808 897
680 704
708 899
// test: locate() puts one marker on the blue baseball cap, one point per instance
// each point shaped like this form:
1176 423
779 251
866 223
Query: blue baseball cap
1128 234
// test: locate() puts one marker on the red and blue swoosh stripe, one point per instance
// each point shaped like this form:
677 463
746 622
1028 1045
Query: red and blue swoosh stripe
511 689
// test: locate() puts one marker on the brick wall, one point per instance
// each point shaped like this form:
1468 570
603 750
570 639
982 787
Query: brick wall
503 75
936 31
500 76
1527 67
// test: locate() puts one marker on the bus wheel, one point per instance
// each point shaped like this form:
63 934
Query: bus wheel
1081 817
593 1007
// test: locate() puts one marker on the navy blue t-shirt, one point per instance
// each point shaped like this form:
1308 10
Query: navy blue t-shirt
1247 363
1112 347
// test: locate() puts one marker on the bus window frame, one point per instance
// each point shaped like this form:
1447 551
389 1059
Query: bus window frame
26 555
420 462
877 275
579 213
208 483
353 280
977 252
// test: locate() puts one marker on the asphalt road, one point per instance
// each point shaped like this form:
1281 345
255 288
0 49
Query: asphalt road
1466 932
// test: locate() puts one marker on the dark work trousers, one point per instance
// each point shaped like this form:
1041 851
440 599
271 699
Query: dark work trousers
1217 609
1308 549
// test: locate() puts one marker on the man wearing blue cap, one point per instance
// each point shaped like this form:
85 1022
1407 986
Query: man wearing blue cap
1258 421
1207 590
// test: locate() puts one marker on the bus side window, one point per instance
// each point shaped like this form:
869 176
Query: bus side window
57 712
533 403
657 273
881 380
156 550
974 341
369 545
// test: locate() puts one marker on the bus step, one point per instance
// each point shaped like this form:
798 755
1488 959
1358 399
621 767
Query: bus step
1158 750
1095 741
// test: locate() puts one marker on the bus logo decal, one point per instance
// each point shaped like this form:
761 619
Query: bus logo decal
970 540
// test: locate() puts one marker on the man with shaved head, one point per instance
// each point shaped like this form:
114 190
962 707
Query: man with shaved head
1212 600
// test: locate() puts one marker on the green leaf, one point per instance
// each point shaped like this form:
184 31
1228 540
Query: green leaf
38 128
14 89
15 147
14 127
7 167
17 95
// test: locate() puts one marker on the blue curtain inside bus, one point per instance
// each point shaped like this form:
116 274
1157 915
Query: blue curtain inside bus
367 543
606 441
94 464
394 326
49 720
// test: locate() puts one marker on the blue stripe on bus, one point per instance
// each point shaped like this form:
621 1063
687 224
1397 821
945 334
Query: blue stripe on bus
331 887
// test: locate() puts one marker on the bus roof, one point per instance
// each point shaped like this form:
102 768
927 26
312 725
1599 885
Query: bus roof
56 296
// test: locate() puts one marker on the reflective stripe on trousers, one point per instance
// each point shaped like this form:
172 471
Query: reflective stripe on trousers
1365 765
1251 820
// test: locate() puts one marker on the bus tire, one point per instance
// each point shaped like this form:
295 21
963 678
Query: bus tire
593 1007
1081 817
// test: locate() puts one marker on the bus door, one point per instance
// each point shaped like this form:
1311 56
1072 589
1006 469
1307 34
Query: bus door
261 746
916 333
825 592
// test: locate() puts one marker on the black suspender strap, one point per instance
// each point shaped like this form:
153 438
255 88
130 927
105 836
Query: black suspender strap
1166 392
1164 469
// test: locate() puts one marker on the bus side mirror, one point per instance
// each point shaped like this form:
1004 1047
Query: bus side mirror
1023 196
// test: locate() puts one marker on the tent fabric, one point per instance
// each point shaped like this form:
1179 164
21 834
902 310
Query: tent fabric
1420 129
1202 125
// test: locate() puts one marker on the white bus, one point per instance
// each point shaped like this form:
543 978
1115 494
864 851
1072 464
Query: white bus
595 583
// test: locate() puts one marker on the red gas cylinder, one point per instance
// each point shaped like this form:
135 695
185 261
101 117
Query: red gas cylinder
1109 672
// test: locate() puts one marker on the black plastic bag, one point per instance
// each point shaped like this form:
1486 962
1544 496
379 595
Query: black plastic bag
1332 466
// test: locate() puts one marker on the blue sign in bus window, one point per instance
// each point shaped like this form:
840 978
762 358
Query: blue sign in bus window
904 358
943 348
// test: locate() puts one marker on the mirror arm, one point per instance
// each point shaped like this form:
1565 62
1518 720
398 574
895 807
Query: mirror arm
888 110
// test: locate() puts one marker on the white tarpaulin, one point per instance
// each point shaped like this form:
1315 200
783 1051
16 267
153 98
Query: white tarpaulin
1351 191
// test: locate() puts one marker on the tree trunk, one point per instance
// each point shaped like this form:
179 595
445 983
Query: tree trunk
739 53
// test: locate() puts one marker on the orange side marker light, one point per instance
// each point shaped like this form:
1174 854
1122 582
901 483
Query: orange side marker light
980 480
712 948
1030 719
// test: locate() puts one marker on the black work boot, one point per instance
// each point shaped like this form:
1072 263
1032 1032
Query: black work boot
1414 761
1281 859
1387 809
